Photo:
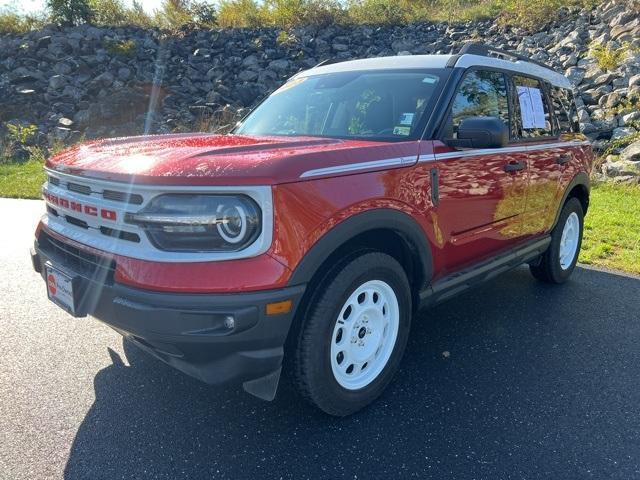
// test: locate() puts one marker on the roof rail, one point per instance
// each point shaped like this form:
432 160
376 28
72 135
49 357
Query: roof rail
482 49
326 61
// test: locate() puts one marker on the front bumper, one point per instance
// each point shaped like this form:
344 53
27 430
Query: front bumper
217 338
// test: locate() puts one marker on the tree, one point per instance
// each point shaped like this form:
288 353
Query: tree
70 12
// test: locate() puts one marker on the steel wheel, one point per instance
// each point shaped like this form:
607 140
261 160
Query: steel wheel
557 263
364 335
354 333
569 241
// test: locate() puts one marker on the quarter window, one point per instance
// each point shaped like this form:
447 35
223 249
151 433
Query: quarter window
564 110
535 120
481 93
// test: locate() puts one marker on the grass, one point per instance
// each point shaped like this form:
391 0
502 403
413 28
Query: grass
612 228
611 231
21 180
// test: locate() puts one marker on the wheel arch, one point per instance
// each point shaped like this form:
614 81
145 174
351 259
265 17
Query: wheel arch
579 187
388 230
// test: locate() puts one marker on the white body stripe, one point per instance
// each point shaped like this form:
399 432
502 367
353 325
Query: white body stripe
354 167
396 162
492 151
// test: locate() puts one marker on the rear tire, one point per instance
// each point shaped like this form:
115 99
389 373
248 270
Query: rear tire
557 264
354 334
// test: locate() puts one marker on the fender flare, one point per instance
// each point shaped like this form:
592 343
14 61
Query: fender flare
375 219
582 178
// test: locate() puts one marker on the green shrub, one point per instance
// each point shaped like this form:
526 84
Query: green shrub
19 133
291 13
240 14
70 12
608 58
108 12
176 14
13 22
389 12
124 48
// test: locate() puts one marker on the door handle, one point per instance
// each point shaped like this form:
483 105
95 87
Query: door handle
564 158
515 166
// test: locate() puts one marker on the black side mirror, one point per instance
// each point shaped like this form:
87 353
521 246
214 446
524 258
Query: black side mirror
481 132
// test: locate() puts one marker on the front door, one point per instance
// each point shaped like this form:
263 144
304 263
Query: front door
482 192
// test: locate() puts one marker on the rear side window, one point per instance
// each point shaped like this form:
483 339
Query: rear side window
535 120
481 93
564 109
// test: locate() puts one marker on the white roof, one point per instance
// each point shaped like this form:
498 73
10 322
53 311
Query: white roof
439 61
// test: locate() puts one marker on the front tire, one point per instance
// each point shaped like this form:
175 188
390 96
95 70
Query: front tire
557 264
354 334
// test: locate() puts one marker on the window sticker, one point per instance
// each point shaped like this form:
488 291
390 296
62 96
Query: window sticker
406 118
430 79
531 107
401 130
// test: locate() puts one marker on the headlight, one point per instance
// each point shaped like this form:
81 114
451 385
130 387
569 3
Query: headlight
200 223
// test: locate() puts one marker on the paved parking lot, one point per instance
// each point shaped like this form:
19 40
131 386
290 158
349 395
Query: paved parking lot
513 380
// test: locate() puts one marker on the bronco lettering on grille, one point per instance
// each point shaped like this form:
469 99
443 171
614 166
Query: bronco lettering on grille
91 210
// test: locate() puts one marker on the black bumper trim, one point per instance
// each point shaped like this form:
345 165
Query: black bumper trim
217 338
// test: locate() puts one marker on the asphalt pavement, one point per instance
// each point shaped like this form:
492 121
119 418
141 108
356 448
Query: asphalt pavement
512 380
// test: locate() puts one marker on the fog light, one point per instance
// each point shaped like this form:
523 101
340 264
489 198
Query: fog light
229 322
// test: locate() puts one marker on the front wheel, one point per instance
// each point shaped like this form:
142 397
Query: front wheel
557 264
354 334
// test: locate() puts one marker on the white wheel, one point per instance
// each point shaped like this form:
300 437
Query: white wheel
559 260
354 333
569 241
364 335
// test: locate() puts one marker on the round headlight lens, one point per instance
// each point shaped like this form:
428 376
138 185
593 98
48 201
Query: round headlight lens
200 223
234 226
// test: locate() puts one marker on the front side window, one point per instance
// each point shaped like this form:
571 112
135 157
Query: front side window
535 120
381 105
481 94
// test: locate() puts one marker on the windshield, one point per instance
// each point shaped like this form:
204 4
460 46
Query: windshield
377 105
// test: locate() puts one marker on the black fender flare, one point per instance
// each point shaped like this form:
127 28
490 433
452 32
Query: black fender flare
374 219
582 178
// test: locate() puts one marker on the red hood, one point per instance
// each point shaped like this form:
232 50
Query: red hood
205 159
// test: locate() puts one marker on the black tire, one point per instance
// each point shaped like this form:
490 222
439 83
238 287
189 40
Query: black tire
314 377
549 268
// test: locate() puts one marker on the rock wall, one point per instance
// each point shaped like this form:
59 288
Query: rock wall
96 82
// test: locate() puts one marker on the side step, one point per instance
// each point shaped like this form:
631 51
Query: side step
455 283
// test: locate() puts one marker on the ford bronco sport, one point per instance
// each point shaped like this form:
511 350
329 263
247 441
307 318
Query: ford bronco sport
352 196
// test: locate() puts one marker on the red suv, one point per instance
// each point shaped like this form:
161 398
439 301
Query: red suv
351 197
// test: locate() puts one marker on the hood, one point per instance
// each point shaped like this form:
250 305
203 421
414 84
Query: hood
205 159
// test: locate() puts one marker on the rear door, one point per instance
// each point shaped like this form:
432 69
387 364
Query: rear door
482 192
549 152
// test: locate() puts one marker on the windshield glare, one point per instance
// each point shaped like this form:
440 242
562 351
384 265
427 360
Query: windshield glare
374 105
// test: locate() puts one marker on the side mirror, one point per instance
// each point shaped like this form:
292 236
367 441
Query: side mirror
481 132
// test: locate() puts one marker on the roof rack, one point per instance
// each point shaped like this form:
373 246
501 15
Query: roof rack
478 48
326 61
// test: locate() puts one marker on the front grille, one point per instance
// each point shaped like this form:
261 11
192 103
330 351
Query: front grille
133 198
76 187
113 195
86 264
